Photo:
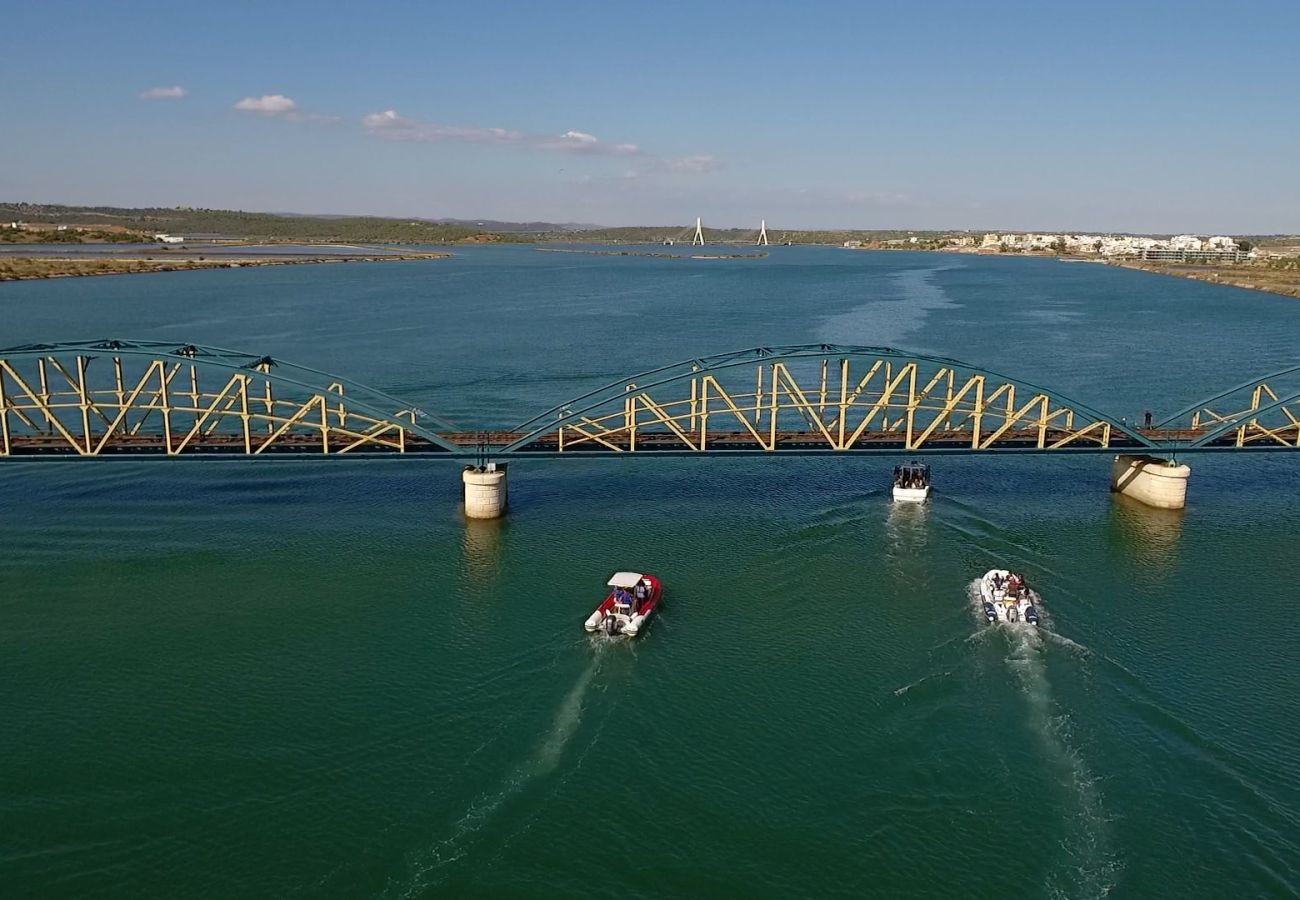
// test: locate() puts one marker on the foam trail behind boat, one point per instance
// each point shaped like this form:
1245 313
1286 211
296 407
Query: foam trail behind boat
1090 867
546 755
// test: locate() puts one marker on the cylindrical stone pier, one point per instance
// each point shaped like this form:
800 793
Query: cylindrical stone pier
486 491
1156 482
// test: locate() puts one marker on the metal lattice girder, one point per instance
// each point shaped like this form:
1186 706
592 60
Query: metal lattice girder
819 397
92 398
1261 412
99 398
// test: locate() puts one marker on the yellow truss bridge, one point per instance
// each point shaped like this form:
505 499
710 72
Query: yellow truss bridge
132 398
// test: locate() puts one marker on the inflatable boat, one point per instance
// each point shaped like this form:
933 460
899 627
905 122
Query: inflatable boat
632 598
1007 598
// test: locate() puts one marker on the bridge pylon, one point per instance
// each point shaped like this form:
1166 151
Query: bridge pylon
698 239
762 234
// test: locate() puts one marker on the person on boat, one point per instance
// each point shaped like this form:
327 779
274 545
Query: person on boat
639 596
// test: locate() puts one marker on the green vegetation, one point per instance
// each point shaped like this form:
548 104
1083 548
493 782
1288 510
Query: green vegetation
142 224
17 268
70 236
237 225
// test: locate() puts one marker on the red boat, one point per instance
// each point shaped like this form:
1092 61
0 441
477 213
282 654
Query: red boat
632 598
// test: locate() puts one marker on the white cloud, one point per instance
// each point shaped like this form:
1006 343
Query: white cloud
393 127
701 162
390 125
175 92
581 142
268 105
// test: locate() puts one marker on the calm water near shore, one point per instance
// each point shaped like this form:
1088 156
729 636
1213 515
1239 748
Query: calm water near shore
315 679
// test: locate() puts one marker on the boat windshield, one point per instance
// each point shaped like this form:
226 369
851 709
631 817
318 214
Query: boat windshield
912 475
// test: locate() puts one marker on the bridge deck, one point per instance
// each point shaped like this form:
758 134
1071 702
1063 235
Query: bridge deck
470 444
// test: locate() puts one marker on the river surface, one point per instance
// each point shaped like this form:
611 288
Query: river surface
288 678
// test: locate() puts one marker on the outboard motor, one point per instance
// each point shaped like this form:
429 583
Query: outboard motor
612 624
989 612
1013 614
1031 615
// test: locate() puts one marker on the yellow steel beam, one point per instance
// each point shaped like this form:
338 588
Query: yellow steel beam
42 406
17 410
781 374
916 401
1012 417
77 386
844 399
316 401
4 418
709 380
954 400
891 385
1080 433
866 380
244 418
205 414
372 436
663 417
592 437
126 405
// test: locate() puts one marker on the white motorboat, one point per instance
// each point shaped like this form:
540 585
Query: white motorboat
912 482
632 598
1007 598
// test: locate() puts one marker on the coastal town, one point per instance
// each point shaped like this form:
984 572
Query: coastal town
1178 248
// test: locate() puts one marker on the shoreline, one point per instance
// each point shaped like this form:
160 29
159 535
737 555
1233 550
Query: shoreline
651 253
39 268
1246 279
1284 282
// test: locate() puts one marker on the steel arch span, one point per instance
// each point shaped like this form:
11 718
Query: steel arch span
1262 413
151 398
822 397
113 397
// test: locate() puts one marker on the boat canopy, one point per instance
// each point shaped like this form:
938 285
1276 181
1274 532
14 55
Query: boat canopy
625 579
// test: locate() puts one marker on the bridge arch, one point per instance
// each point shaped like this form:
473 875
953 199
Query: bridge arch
842 398
92 398
1260 412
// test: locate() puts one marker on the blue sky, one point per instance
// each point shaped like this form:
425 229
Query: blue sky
1101 115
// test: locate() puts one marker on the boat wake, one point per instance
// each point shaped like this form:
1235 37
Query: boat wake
1089 867
429 867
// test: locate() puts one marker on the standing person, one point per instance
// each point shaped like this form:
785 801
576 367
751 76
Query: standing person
1146 419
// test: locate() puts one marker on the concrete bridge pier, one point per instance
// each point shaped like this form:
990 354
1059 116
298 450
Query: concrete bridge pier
1161 483
486 490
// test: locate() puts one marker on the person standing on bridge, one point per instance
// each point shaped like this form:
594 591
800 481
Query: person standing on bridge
1146 419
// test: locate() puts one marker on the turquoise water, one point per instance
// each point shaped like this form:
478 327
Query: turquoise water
314 679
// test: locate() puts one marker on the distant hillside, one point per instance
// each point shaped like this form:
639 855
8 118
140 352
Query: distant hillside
515 227
256 226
